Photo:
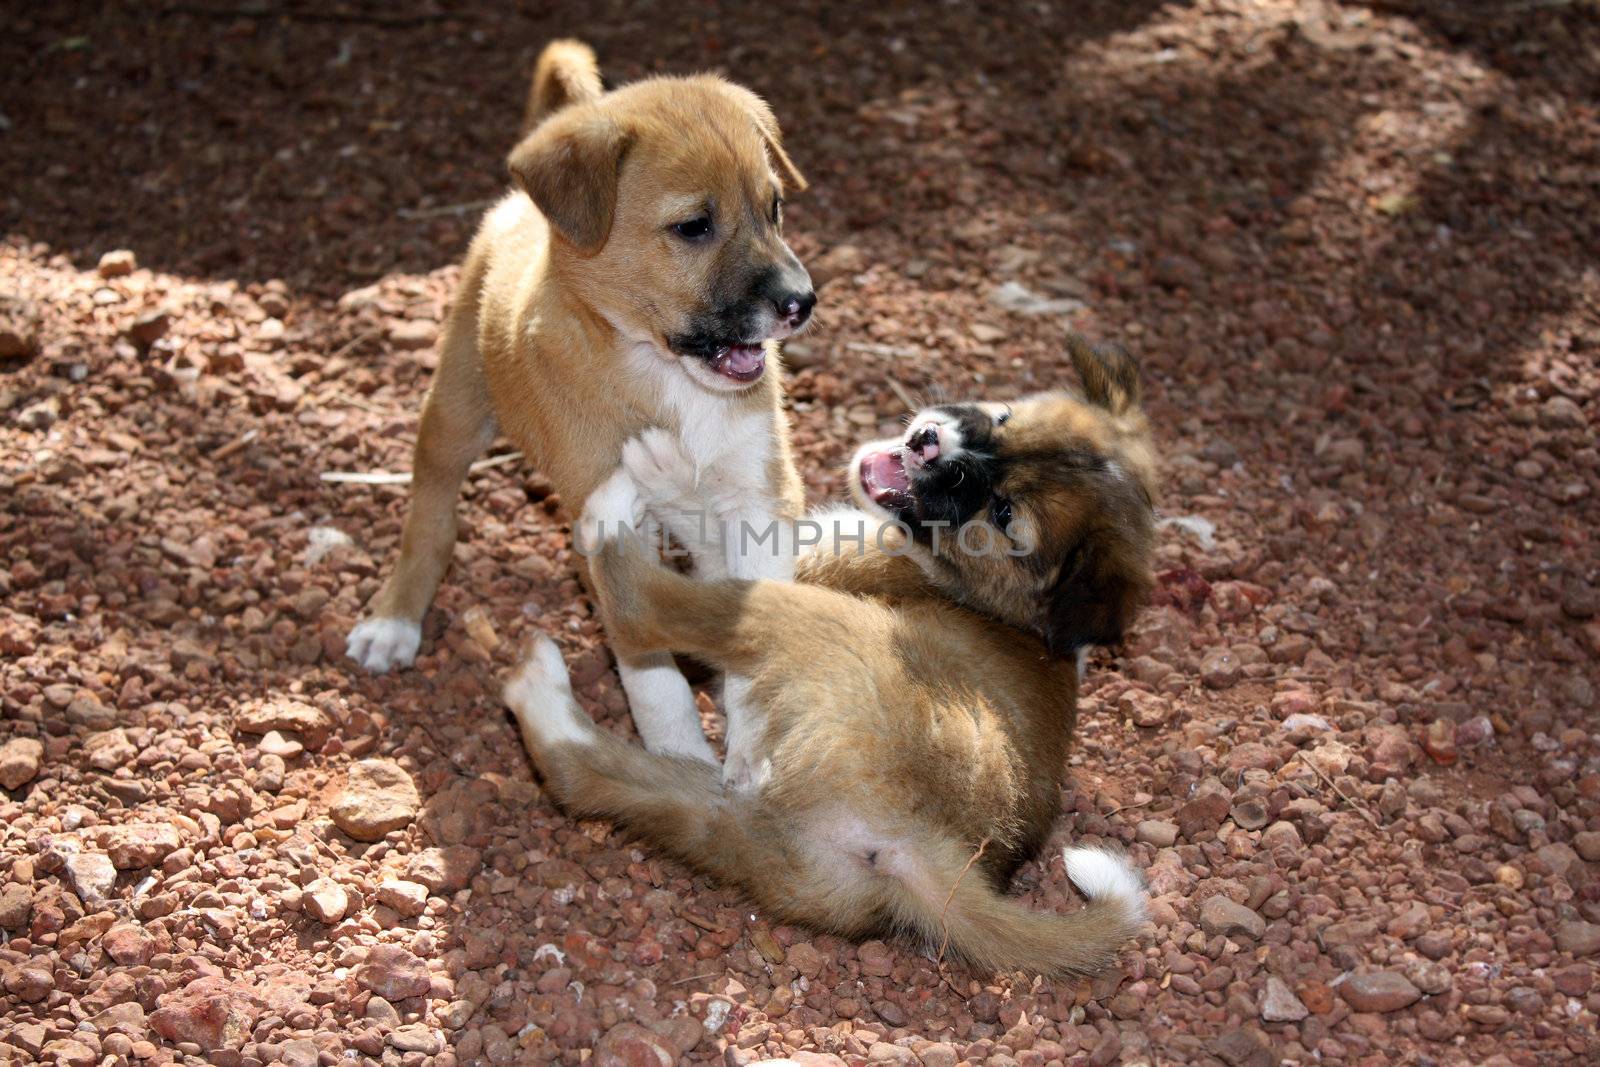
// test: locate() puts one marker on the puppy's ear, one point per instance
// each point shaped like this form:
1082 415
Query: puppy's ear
568 166
761 114
1110 376
1093 602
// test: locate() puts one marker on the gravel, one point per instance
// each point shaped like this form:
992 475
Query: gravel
1351 744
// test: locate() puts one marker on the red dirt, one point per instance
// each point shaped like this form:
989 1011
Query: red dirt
1354 250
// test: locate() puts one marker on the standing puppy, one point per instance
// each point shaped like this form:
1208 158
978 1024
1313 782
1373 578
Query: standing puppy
637 277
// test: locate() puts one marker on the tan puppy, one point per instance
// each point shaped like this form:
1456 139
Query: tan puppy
906 732
636 278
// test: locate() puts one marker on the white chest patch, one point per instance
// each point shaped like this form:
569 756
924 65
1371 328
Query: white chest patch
730 452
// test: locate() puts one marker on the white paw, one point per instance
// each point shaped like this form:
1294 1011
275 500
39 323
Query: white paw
539 693
378 644
611 509
662 467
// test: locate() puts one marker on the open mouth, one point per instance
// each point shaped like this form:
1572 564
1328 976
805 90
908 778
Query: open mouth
741 363
884 479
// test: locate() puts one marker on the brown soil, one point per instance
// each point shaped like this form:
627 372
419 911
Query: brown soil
1353 246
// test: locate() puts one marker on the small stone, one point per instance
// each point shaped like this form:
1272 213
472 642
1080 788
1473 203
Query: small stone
19 761
631 1045
1145 709
139 845
1279 1004
19 327
92 876
413 334
291 716
301 1052
1156 832
16 903
876 959
273 743
445 870
393 973
129 945
407 899
118 263
1220 668
66 1052
149 328
1578 938
1241 1048
1219 915
1587 844
1204 812
1284 836
1250 813
29 982
210 1011
415 1038
1561 413
325 901
378 798
1440 741
1379 991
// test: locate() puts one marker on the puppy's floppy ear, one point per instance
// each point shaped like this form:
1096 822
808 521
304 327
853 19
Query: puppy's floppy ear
1110 376
1094 600
761 114
569 166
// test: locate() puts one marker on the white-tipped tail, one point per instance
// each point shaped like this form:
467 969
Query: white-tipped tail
1100 873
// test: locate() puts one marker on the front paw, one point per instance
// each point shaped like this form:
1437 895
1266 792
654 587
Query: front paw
664 470
611 510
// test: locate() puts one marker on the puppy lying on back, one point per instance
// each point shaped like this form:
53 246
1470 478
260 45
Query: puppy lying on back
636 277
919 697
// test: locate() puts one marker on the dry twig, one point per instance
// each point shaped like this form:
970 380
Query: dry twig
944 925
1348 799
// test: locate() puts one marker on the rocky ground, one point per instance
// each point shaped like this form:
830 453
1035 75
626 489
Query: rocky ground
1354 744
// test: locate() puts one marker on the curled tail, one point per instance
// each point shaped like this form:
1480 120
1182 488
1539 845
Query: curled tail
998 933
567 73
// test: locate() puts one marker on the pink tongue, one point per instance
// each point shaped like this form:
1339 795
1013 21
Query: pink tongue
885 471
745 359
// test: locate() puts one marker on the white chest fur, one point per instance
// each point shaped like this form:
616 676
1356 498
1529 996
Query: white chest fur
729 444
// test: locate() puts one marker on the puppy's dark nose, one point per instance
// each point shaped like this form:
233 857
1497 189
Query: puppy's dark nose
795 308
924 444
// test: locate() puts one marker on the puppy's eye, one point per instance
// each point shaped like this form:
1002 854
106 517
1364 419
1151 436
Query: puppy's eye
1003 418
1000 513
695 229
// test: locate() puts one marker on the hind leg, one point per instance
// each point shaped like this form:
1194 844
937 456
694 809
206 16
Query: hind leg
595 774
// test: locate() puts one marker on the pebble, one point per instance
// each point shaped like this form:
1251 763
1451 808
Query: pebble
1279 1004
393 973
117 264
407 899
1219 669
1219 915
138 845
1379 991
1578 938
325 901
1156 832
630 1045
19 762
92 876
378 797
415 1037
